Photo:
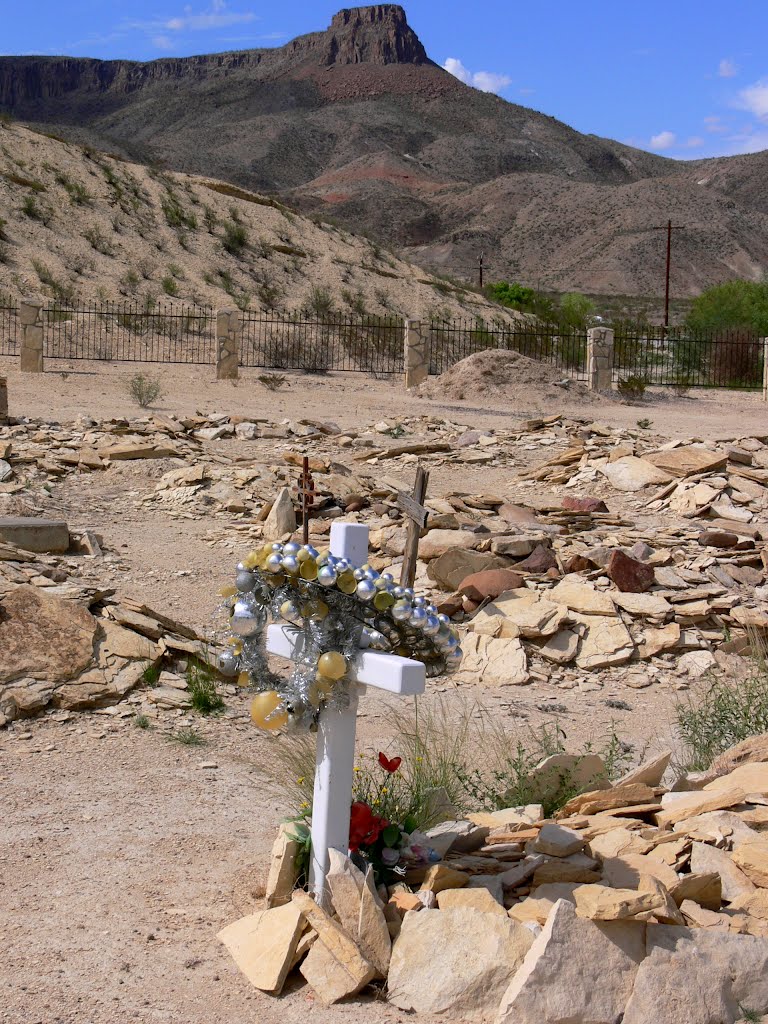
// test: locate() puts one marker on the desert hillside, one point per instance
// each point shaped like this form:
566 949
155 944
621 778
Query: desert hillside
77 225
356 123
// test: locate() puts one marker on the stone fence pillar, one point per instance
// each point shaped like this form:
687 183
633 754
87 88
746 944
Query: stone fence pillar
765 369
416 352
3 401
31 317
229 329
599 359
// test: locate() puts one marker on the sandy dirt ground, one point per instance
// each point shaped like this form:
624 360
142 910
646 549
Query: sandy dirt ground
120 855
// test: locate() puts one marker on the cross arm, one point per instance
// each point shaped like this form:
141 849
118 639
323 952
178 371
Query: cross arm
371 668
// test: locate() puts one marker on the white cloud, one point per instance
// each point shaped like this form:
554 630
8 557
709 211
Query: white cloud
755 99
217 16
693 142
485 81
163 42
727 68
663 140
714 123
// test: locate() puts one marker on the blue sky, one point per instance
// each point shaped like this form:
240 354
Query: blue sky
686 78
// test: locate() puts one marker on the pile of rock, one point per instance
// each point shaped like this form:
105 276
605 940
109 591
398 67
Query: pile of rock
634 900
69 646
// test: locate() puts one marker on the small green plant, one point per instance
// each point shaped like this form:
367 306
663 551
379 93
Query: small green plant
188 737
142 722
272 381
210 219
17 179
144 390
720 713
203 694
750 1016
151 675
30 209
235 238
175 214
170 286
645 423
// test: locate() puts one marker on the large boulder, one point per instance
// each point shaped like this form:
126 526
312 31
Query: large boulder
43 637
699 976
458 961
576 970
451 568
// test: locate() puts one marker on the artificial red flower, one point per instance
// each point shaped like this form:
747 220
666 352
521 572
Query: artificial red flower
364 826
389 766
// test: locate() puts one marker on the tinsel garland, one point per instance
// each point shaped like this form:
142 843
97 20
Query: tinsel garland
336 609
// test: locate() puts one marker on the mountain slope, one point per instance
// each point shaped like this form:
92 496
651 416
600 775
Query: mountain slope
358 123
76 225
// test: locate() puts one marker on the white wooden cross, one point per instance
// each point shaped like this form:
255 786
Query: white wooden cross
335 757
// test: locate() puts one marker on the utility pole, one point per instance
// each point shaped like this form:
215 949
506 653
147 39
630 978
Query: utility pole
669 227
482 254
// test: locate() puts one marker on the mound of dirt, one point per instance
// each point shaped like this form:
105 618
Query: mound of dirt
509 376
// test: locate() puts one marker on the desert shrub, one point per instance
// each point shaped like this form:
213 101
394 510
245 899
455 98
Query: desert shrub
144 390
98 240
732 305
319 303
188 737
735 361
632 387
722 712
272 381
210 219
30 208
170 286
175 214
269 294
235 239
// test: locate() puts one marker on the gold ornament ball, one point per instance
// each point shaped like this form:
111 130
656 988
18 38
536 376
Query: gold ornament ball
346 582
265 713
319 690
332 665
308 568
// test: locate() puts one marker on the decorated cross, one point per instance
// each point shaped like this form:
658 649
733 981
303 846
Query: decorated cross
413 506
306 493
343 626
335 756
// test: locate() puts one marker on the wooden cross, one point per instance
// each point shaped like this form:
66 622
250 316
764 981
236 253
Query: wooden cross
413 506
306 492
335 756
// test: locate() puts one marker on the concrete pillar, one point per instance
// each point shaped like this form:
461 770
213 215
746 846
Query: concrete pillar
416 352
3 401
229 328
31 319
599 359
765 370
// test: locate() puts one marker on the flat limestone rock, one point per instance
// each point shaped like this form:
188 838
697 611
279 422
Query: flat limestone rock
38 535
607 642
679 807
662 639
630 473
449 569
282 867
560 648
628 870
437 542
734 883
124 643
752 858
442 876
605 903
334 966
561 772
558 841
263 945
752 778
576 970
538 906
493 662
43 637
458 961
579 596
360 910
650 772
645 606
532 615
607 799
474 899
282 517
705 889
698 975
687 461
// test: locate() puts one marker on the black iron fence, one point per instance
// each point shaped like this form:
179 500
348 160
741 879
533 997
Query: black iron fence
120 332
368 344
9 331
123 332
682 359
453 340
